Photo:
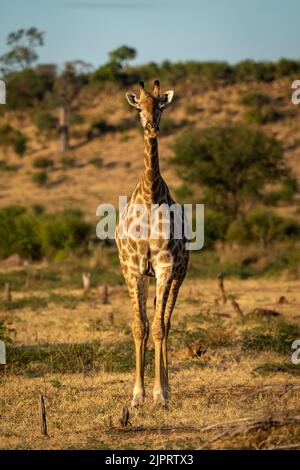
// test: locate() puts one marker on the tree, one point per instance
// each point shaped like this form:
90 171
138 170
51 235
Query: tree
23 44
122 54
114 70
66 90
233 163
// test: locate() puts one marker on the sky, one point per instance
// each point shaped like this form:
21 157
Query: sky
176 30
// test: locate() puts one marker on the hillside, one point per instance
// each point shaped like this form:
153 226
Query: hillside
109 165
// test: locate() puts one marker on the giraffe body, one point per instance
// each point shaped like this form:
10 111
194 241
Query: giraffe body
155 253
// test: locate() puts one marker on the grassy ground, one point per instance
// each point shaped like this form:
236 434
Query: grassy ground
241 392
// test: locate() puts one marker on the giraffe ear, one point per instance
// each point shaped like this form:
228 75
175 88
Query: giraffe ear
132 99
166 99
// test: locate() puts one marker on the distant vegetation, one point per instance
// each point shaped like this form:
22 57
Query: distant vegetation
35 235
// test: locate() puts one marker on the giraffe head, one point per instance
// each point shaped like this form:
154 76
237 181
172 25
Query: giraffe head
150 106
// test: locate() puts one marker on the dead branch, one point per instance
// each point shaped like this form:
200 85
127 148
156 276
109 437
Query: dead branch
236 306
43 417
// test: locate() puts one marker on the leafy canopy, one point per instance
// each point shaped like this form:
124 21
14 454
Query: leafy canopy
233 163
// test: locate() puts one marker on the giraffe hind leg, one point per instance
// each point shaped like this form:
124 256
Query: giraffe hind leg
175 286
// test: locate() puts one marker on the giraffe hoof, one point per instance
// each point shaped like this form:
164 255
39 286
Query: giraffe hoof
160 400
137 400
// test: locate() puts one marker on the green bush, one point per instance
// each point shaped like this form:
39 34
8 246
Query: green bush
10 137
68 162
40 234
266 227
4 332
29 86
254 98
286 193
43 163
265 115
233 164
215 226
64 231
19 144
237 231
18 233
99 128
40 178
96 161
46 122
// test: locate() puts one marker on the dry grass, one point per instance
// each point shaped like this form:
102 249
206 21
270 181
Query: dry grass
243 392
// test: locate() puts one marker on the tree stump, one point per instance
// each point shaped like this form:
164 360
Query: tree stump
86 281
105 294
7 292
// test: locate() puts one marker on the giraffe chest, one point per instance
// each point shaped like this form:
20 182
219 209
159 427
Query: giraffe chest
146 248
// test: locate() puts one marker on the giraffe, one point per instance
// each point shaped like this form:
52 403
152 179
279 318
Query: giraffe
153 255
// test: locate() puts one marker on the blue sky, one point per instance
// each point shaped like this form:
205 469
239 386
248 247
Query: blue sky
229 30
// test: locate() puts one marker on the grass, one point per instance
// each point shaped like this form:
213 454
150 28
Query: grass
32 302
38 360
273 368
271 336
84 365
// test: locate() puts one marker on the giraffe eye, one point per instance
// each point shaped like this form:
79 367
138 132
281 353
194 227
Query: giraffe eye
139 110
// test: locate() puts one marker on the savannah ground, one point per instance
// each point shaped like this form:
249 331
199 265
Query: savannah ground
242 391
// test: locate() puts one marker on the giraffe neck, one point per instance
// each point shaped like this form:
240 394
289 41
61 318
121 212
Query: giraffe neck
151 179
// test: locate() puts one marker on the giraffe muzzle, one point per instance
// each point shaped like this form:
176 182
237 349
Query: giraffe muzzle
152 128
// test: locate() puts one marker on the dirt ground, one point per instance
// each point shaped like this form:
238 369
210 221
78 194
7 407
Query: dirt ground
237 389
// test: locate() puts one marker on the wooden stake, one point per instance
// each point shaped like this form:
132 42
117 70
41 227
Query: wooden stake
43 417
105 294
7 292
220 280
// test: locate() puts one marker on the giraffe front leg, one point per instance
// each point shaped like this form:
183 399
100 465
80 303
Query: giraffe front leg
140 330
160 391
140 334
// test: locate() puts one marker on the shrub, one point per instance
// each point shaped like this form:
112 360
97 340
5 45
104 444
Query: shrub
19 144
254 98
266 227
18 233
39 234
287 67
11 137
99 128
232 162
29 86
286 193
265 115
46 123
237 231
40 178
4 332
64 231
43 162
96 161
68 162
215 226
